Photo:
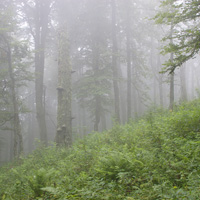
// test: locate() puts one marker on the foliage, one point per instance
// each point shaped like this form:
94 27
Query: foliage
184 17
157 157
11 38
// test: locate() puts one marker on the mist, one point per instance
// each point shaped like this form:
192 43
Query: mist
71 68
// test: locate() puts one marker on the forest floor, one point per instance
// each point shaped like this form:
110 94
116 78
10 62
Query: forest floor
156 157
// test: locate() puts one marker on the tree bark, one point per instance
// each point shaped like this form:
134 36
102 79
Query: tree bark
183 83
97 97
115 63
171 94
64 116
42 9
160 81
18 140
154 72
128 57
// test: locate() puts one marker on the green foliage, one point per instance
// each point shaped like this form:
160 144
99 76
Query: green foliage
184 17
157 157
116 165
10 38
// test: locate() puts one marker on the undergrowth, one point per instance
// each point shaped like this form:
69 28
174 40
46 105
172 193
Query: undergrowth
157 157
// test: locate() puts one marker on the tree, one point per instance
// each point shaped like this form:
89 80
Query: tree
171 92
183 96
128 57
37 16
185 16
13 55
134 50
93 89
115 56
18 140
64 116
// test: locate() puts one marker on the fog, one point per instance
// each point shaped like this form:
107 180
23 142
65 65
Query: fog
70 68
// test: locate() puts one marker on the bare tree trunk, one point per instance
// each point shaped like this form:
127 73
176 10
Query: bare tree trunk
183 83
135 105
18 140
84 121
115 63
64 116
128 51
192 83
41 27
171 94
97 112
97 98
160 82
103 122
123 101
31 123
154 72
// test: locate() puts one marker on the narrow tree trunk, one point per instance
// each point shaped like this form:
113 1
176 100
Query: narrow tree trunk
192 75
135 105
115 63
134 92
123 100
41 26
161 90
183 83
84 121
18 140
103 122
171 94
154 72
128 57
97 112
160 81
97 98
31 123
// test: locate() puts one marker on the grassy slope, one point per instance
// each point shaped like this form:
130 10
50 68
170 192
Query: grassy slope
157 157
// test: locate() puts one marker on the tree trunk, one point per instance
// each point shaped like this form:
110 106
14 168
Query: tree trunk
128 57
115 63
160 81
18 140
64 117
183 83
41 27
154 72
103 122
97 97
97 113
192 75
123 100
171 94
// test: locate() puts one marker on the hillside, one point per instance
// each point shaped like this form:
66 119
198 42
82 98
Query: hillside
156 157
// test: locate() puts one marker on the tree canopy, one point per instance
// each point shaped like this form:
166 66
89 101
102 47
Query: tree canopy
184 16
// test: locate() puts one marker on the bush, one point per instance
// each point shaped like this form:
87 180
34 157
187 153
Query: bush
157 157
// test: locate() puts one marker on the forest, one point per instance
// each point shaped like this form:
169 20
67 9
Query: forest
99 99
